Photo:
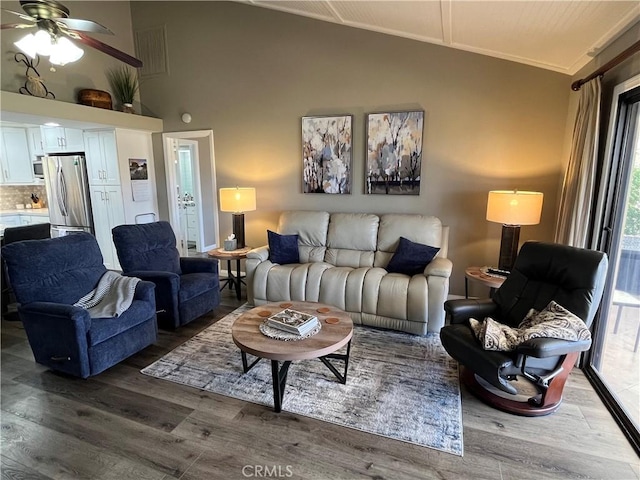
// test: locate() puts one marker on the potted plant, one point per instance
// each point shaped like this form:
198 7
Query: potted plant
124 83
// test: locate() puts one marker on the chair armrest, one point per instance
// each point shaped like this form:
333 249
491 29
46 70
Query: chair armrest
259 253
459 311
57 335
439 267
48 311
145 291
198 265
551 347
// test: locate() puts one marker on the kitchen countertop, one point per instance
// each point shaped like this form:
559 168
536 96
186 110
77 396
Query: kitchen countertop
40 212
44 212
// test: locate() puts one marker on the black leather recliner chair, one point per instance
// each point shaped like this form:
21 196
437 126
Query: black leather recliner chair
573 278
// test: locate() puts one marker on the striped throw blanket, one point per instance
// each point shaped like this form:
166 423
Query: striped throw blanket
112 296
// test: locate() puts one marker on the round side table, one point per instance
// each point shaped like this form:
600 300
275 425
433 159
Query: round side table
234 281
477 275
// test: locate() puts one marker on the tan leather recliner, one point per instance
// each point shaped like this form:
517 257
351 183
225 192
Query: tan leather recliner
342 263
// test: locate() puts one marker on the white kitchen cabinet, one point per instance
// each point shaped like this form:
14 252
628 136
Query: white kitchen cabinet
192 223
15 159
62 140
10 220
26 219
35 142
102 157
108 212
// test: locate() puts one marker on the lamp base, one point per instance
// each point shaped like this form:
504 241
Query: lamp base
509 246
238 229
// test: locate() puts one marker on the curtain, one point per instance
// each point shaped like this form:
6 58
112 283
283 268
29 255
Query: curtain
578 189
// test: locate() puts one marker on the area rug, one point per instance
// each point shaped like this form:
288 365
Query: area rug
398 385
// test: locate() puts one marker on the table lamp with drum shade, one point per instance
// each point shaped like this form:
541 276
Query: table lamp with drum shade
238 200
512 208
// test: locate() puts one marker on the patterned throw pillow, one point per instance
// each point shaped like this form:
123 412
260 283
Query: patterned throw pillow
554 321
495 335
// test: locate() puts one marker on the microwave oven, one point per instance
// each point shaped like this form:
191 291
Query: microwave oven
38 170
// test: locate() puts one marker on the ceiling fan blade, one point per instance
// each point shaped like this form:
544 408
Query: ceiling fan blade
83 25
103 47
21 15
4 26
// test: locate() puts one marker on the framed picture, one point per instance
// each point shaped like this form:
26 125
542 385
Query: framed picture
326 154
394 152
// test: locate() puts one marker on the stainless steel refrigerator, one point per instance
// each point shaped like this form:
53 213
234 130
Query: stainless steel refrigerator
67 186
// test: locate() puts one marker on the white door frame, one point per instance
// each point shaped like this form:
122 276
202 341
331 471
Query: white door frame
169 141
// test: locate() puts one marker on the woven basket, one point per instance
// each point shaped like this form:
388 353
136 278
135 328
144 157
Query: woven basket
95 98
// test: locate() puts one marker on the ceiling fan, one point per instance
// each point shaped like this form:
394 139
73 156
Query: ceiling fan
51 18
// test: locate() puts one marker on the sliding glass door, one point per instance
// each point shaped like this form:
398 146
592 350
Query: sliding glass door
614 360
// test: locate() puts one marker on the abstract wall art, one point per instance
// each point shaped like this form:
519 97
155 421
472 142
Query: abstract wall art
394 153
327 154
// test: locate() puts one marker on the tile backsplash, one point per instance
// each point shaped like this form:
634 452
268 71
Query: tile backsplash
11 195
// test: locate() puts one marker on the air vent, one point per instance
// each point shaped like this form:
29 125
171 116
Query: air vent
151 48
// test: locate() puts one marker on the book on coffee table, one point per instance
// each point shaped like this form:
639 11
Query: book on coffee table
293 321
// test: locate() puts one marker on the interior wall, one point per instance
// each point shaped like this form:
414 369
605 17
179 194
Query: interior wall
250 74
89 71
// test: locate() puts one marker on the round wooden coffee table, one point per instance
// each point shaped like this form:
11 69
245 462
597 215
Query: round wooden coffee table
332 336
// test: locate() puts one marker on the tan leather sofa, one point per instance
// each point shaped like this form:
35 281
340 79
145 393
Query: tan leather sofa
342 263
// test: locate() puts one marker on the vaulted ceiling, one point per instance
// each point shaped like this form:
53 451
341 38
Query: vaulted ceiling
559 35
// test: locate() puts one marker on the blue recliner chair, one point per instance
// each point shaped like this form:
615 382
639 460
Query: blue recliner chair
48 277
186 287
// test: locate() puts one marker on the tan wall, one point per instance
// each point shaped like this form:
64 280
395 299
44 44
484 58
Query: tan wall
250 74
89 71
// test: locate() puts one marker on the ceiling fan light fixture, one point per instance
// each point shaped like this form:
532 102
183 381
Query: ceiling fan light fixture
64 51
28 45
44 43
59 50
54 28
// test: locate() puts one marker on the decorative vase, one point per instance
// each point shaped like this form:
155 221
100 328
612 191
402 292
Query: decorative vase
128 108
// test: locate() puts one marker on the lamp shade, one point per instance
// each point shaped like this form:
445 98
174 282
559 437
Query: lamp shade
513 207
237 199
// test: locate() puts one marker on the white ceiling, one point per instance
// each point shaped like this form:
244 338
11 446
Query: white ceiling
559 35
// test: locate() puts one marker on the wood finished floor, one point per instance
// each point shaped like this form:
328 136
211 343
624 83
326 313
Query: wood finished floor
125 425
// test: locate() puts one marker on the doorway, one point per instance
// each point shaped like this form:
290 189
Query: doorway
614 360
188 191
191 183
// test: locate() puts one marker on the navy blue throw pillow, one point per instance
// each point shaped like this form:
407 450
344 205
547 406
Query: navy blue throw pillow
411 258
283 249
